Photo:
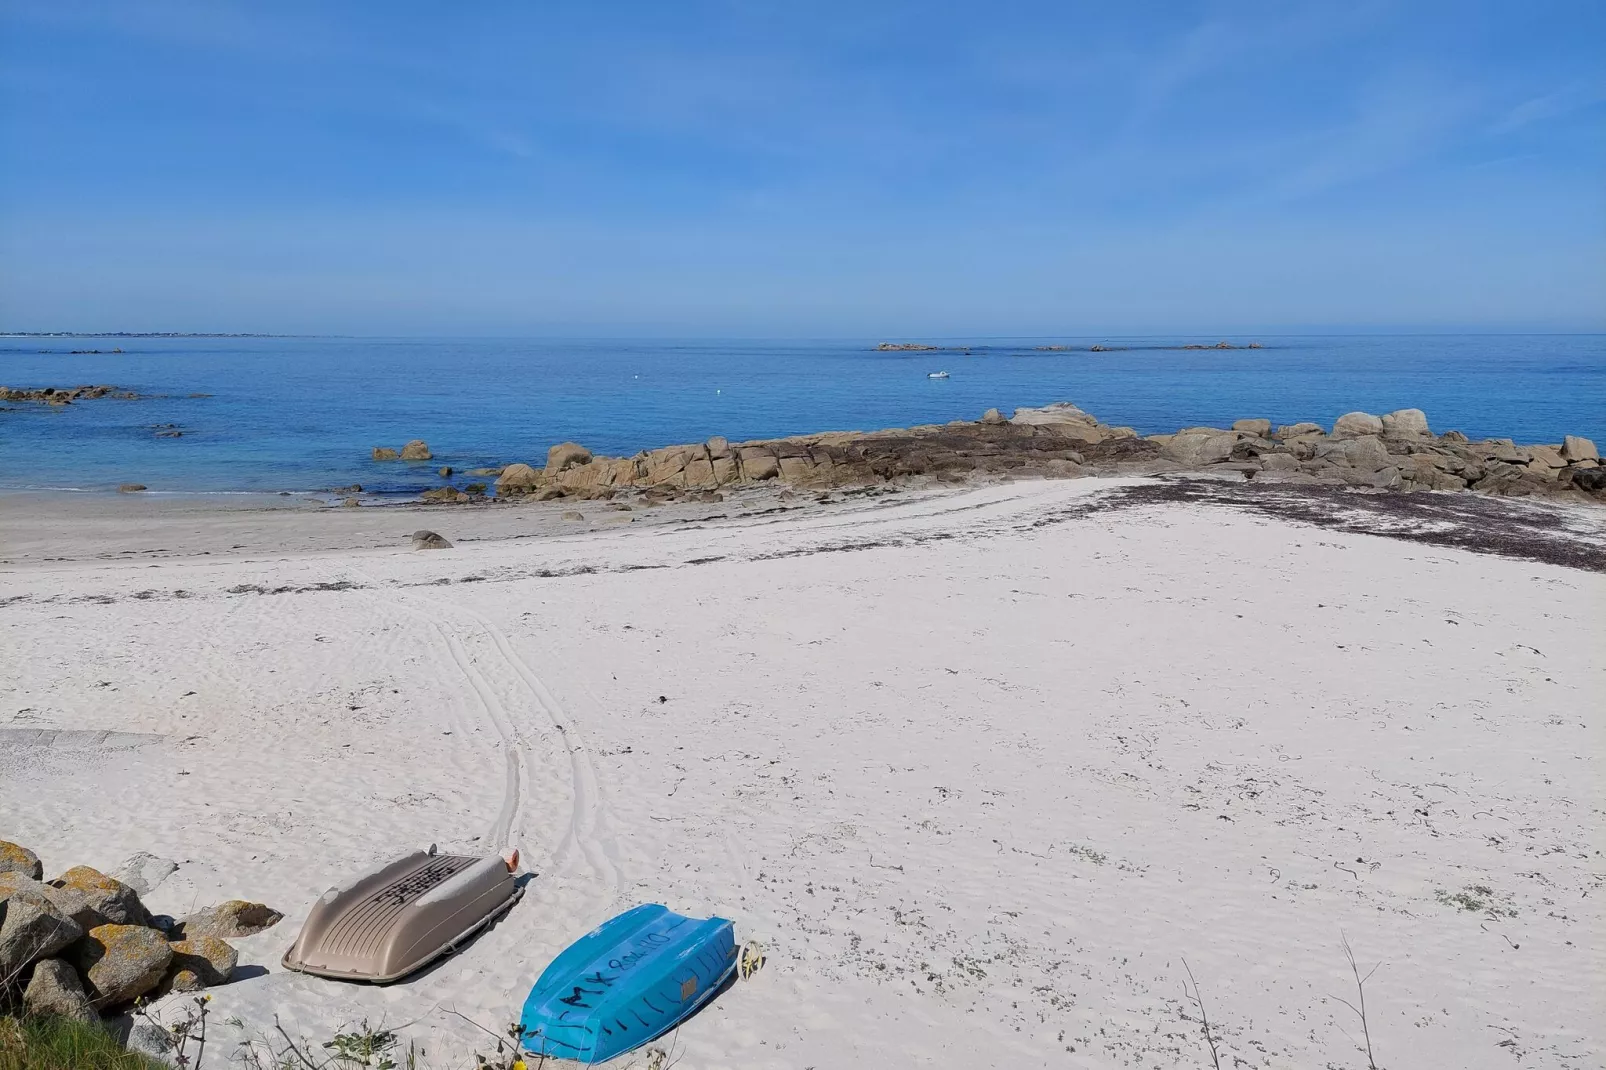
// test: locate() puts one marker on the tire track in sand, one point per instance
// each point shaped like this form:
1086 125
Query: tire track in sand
586 830
511 742
585 834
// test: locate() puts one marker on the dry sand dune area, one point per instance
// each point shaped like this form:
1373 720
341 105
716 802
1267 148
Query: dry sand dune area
987 772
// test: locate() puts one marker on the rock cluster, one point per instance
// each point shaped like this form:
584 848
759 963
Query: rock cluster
1397 451
64 395
416 450
453 496
1058 439
83 944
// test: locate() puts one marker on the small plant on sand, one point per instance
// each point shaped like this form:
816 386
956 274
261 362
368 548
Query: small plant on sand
1360 992
369 1048
362 1048
1198 1001
507 1055
1478 899
1082 850
365 1049
186 1038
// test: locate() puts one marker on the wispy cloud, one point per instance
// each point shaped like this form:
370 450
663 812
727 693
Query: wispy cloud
1552 105
1398 119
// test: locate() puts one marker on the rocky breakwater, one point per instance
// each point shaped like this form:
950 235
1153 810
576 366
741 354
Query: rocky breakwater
83 945
1394 452
1057 440
1397 451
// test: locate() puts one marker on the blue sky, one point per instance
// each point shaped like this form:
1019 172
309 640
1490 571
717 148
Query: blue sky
814 169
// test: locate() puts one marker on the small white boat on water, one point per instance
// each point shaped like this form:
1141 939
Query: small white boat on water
936 375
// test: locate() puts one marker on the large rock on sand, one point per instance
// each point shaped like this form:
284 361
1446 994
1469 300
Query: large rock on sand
565 455
199 962
1546 460
1592 480
667 466
1065 420
1406 423
93 898
1574 448
700 470
758 463
144 871
428 540
15 858
596 475
1199 447
1366 453
517 479
1357 423
416 450
34 927
231 920
54 990
725 468
1061 412
121 962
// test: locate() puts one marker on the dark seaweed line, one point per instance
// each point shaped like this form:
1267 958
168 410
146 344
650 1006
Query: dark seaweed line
1479 524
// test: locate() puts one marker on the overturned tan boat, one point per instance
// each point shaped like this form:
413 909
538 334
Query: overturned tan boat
404 916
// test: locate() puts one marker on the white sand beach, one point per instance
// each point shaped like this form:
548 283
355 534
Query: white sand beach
987 772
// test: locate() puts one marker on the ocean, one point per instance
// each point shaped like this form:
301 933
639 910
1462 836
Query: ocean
302 414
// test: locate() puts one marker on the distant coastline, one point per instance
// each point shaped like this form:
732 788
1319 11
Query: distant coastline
143 334
921 347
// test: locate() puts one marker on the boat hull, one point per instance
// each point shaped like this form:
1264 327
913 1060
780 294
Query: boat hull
400 918
631 979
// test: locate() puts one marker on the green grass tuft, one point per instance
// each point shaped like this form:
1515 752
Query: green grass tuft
64 1044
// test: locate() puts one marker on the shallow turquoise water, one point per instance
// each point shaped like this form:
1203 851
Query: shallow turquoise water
303 413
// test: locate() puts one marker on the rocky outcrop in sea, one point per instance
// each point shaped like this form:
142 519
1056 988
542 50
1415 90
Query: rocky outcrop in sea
1394 452
63 395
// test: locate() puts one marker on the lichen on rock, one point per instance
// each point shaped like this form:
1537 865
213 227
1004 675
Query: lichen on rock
93 898
120 963
231 920
15 858
199 962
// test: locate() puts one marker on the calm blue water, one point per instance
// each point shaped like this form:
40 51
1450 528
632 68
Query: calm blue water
303 413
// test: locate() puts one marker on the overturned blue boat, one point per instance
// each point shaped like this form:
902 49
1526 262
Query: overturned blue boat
633 978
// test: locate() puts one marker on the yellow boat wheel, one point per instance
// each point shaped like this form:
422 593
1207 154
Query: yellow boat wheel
751 961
